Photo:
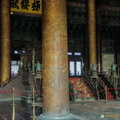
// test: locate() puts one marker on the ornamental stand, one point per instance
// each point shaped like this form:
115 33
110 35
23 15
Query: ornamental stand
38 85
94 77
114 80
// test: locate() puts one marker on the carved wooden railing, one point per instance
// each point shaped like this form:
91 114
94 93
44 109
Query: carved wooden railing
92 85
3 84
7 87
108 83
87 79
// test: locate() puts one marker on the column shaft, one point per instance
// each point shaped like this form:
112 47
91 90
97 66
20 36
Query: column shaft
99 49
55 59
92 32
5 41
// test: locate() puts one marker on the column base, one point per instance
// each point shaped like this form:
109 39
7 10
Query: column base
67 117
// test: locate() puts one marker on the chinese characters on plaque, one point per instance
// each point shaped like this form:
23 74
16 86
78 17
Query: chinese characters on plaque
29 6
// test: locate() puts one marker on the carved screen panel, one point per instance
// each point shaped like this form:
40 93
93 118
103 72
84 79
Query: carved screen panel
72 68
14 67
78 68
107 61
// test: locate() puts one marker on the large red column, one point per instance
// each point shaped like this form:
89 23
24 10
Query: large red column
92 33
5 58
55 61
99 49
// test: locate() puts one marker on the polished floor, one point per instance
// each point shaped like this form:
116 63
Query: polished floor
93 110
23 110
97 110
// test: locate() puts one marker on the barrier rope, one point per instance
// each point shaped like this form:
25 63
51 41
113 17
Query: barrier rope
81 92
75 93
23 94
113 88
6 91
96 92
38 92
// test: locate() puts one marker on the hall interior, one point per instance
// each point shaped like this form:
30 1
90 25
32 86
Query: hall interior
56 56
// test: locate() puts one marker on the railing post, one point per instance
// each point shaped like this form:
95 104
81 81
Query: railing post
33 104
84 98
13 114
106 93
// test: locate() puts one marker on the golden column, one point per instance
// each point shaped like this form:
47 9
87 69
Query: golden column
5 41
92 33
55 62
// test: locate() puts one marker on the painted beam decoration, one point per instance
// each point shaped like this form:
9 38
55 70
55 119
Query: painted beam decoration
27 6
